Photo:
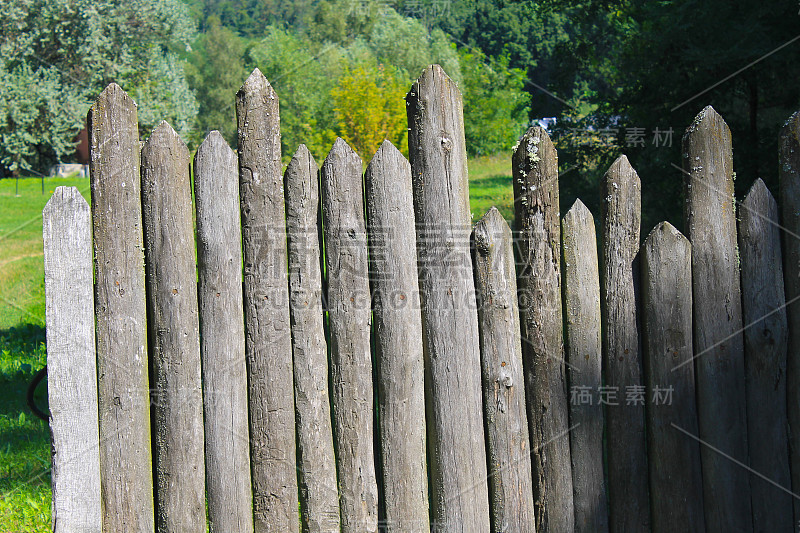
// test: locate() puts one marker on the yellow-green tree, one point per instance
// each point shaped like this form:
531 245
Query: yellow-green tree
370 108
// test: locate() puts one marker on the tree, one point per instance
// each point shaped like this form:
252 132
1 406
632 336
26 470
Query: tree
73 49
370 108
216 70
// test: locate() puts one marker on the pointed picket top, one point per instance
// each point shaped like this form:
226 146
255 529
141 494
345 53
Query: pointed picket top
163 137
256 83
535 150
432 78
710 122
341 150
214 141
579 211
301 154
619 182
66 196
491 230
387 154
113 96
758 197
662 232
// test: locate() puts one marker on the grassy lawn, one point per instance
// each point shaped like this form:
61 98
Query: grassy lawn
24 439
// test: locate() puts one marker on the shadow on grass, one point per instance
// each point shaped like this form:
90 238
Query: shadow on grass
24 439
499 180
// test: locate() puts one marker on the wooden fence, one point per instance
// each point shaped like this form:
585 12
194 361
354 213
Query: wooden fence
331 350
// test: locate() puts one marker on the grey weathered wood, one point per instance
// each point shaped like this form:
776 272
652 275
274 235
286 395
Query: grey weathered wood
622 362
789 176
319 495
507 438
349 324
268 342
438 157
583 349
676 489
398 340
535 168
121 316
718 347
765 351
219 260
71 364
174 333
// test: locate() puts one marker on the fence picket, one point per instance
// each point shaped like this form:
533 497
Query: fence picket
120 309
398 340
268 343
349 318
535 168
718 346
319 495
219 260
629 508
508 444
71 364
765 342
583 348
449 320
789 176
674 458
173 333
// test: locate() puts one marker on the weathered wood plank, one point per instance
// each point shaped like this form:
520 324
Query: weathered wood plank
349 322
674 459
765 353
535 167
583 348
449 320
398 340
121 315
71 363
173 333
789 176
319 495
718 347
622 363
508 443
268 343
219 259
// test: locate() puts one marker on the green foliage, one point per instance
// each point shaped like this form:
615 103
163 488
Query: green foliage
495 104
216 70
370 108
71 49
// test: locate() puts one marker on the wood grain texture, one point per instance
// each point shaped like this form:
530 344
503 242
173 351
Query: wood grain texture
349 322
219 260
457 462
622 363
71 363
398 340
765 353
709 214
173 332
121 315
268 343
789 177
583 349
319 495
508 444
535 168
676 487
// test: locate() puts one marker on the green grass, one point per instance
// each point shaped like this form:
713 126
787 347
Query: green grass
25 440
490 184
